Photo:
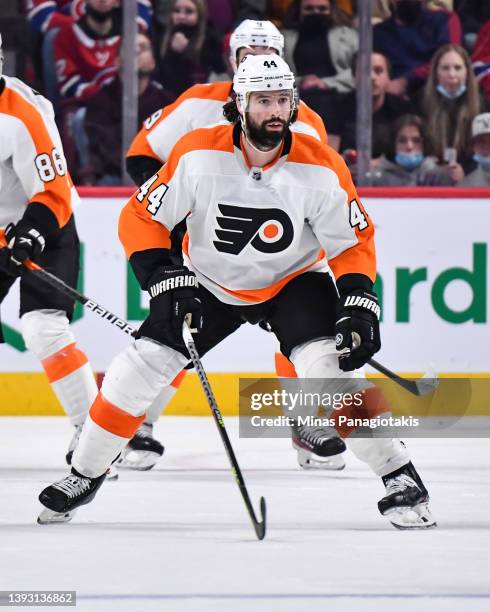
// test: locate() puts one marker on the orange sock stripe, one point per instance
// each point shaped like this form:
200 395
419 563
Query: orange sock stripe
64 362
113 419
284 368
177 381
374 404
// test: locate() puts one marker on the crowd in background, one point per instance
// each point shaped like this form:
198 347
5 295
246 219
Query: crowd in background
430 76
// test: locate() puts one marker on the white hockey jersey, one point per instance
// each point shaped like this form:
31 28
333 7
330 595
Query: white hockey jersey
32 163
200 106
251 230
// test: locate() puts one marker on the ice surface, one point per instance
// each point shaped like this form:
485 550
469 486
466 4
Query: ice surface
178 538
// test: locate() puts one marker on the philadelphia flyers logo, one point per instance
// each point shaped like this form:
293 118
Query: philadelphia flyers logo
266 230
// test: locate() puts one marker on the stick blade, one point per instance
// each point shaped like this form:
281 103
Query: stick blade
260 527
428 383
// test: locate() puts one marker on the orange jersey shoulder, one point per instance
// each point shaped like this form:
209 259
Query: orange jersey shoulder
138 231
309 116
38 158
218 92
307 150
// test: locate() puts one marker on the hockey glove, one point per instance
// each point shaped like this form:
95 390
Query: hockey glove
357 329
23 242
173 295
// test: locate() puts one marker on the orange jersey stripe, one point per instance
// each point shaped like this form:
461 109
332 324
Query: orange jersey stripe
266 293
64 362
113 419
374 403
177 381
284 368
56 193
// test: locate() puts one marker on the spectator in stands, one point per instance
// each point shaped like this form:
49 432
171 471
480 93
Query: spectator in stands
480 141
410 37
481 58
319 51
190 50
386 108
406 162
450 101
86 51
473 13
44 15
103 119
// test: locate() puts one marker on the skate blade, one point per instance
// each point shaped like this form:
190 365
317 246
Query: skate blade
50 517
418 517
308 461
138 460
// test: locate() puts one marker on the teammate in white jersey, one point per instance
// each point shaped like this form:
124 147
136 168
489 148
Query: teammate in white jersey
37 197
199 106
263 206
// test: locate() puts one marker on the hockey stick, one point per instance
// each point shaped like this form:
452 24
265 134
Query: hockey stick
259 526
419 387
60 285
425 385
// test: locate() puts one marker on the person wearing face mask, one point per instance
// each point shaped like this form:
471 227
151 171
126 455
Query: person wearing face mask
410 37
449 102
320 49
480 140
405 163
190 49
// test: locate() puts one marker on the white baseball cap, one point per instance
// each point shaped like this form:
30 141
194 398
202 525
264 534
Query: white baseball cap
480 125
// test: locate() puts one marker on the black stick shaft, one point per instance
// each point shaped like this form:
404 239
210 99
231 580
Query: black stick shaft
56 282
235 468
408 385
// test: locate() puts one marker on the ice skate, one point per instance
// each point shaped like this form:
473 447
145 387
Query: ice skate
317 448
142 451
63 497
406 503
112 474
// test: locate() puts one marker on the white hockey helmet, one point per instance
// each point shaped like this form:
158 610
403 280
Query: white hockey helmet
251 33
262 73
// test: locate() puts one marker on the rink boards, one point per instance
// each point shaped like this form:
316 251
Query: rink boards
432 280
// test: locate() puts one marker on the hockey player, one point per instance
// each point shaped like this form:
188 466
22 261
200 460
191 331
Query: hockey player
37 197
263 205
199 106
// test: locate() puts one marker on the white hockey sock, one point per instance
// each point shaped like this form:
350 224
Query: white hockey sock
166 394
48 335
319 360
96 449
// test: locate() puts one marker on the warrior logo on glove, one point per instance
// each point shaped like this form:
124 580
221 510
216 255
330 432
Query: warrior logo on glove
173 297
357 329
